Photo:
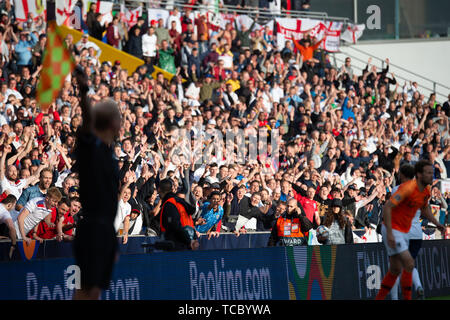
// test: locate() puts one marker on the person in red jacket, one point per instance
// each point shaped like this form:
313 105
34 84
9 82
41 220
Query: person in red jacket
42 231
43 122
67 224
112 33
219 72
309 204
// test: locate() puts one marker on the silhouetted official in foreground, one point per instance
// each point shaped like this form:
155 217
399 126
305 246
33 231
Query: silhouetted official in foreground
95 245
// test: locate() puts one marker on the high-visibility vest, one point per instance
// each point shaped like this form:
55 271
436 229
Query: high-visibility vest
289 231
185 218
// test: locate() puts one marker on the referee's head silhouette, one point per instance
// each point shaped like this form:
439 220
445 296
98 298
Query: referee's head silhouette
165 186
107 118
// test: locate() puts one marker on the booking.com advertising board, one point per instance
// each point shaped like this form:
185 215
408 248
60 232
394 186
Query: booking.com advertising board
302 273
242 274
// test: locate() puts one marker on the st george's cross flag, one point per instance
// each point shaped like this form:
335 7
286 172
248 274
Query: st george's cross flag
22 8
57 65
105 8
65 12
130 17
353 32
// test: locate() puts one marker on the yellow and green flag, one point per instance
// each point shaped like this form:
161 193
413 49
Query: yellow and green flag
57 65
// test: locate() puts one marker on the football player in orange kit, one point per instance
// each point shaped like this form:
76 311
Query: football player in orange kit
398 213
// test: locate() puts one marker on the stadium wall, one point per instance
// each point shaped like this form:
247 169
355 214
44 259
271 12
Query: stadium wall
350 272
109 53
425 57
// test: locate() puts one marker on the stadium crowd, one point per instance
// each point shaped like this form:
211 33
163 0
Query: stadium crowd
343 134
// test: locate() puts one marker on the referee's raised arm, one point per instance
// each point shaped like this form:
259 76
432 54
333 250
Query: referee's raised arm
85 104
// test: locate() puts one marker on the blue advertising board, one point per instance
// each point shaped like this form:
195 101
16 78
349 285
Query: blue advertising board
243 274
54 249
350 272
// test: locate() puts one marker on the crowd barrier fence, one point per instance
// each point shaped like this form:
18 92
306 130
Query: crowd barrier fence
350 272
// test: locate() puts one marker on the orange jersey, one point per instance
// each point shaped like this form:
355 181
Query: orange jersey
407 200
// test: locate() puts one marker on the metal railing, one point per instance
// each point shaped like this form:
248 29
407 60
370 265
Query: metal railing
260 13
436 86
397 77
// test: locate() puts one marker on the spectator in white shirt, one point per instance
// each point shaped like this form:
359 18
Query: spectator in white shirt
8 176
35 211
149 41
193 93
85 43
212 173
175 16
6 206
413 87
276 92
132 224
267 98
12 90
124 208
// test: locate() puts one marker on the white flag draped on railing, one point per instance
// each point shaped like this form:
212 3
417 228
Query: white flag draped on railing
288 29
85 8
214 18
105 8
24 7
155 14
246 21
332 35
445 187
226 18
353 32
130 16
65 13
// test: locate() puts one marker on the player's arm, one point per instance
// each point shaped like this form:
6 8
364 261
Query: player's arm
427 214
394 201
387 214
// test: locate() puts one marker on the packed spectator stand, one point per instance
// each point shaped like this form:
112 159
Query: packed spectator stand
341 134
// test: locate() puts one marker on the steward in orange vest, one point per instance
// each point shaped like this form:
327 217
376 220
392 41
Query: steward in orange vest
175 219
291 228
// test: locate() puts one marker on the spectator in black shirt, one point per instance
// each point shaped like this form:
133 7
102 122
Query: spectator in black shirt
171 225
386 157
97 28
134 44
